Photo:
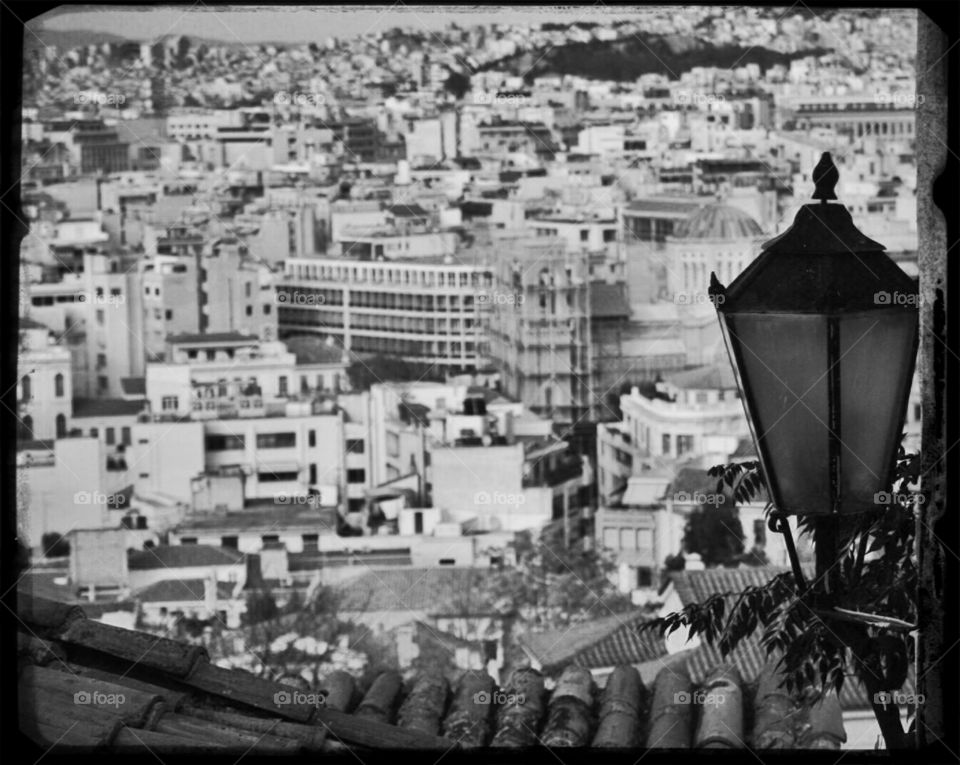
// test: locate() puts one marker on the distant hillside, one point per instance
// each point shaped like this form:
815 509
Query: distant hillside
627 58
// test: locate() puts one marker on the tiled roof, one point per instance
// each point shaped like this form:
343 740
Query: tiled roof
177 556
189 590
555 648
211 337
105 407
134 386
83 684
433 590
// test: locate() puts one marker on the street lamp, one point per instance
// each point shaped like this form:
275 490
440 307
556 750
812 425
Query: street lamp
822 334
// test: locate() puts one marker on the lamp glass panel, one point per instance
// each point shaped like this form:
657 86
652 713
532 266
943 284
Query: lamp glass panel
782 360
876 354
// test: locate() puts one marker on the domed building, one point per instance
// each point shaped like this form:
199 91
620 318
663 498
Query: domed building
717 237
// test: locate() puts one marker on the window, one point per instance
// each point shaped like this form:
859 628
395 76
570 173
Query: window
103 383
644 577
58 385
100 316
355 445
584 234
684 445
393 445
169 315
188 540
312 438
101 360
61 426
221 443
313 474
247 288
310 542
231 542
276 440
356 475
448 562
168 403
125 436
645 540
26 388
610 537
249 310
270 540
111 436
666 443
282 382
266 310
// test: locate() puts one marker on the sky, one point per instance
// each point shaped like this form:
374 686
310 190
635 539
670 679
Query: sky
252 24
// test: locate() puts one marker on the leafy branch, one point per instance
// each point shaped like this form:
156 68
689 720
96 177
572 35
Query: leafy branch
818 651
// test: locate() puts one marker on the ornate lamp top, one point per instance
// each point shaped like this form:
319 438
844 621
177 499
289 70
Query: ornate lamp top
825 177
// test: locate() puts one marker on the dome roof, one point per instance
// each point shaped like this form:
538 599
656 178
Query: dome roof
718 221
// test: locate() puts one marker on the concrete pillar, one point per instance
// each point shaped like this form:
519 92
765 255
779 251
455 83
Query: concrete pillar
935 659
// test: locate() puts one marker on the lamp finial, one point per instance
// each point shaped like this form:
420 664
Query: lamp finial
825 177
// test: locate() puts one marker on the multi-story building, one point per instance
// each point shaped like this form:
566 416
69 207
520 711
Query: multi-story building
197 286
540 327
241 407
857 116
95 310
694 414
45 385
425 311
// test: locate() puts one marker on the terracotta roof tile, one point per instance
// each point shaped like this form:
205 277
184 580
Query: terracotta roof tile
175 701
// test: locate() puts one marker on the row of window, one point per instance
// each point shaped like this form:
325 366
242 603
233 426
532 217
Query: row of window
26 387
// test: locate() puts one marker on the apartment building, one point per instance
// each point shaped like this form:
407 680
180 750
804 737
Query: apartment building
425 311
45 385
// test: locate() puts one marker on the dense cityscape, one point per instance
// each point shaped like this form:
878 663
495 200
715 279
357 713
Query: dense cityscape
396 351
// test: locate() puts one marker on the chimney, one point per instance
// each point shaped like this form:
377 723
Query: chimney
210 593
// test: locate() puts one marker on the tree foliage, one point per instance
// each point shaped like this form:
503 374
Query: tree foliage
819 647
554 585
715 533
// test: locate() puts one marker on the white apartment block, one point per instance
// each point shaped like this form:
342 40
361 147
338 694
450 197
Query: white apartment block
422 312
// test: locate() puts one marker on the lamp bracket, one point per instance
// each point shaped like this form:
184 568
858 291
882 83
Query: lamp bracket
777 522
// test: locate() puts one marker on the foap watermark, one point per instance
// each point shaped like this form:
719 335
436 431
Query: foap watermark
883 698
298 499
500 99
690 98
98 498
296 297
99 699
890 498
499 697
703 698
285 98
498 498
698 498
494 297
94 98
899 99
102 298
693 298
895 298
299 698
